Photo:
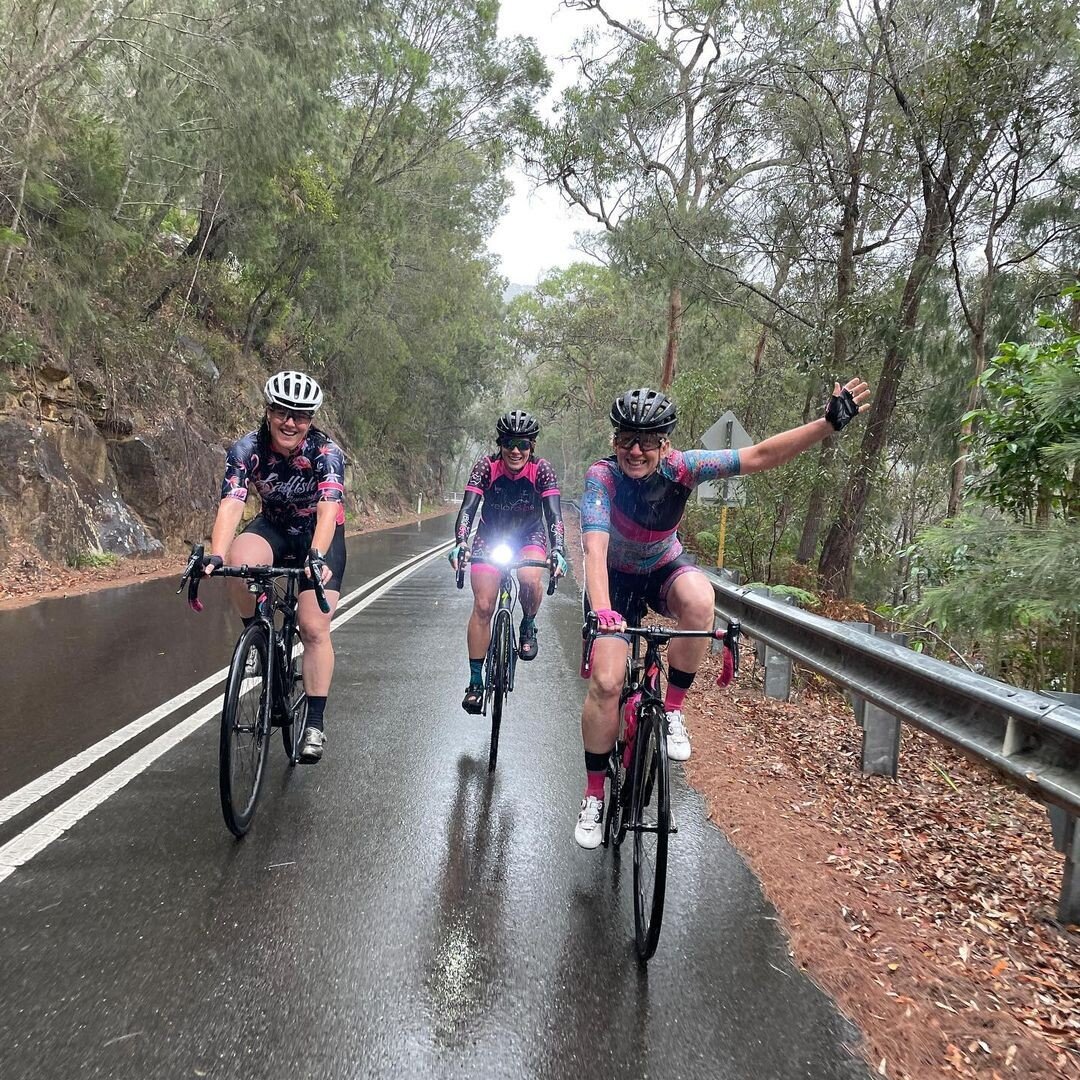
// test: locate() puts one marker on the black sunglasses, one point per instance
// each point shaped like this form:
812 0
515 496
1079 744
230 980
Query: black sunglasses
301 416
625 440
511 443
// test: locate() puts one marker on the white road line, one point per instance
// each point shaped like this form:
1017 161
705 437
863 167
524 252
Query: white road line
53 825
26 796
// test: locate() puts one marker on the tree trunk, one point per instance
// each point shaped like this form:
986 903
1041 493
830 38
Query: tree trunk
838 552
671 353
845 281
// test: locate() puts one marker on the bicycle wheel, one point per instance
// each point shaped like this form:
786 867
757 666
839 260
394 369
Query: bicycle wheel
499 657
650 820
292 730
245 729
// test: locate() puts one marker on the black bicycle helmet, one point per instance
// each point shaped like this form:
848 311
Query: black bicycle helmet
517 422
643 410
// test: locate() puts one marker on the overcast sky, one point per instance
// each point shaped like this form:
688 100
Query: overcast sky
537 230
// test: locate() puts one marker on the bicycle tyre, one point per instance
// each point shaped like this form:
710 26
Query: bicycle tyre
500 656
292 732
651 818
245 730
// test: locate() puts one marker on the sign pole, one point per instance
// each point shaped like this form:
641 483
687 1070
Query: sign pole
720 539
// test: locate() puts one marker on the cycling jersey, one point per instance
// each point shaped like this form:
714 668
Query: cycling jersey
290 487
516 505
641 516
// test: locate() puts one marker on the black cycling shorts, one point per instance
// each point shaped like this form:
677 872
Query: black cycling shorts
632 594
293 550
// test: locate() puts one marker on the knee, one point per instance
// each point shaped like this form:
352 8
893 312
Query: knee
483 609
696 612
605 686
314 634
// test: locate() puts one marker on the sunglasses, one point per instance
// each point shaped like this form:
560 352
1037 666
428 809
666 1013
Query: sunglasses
625 440
279 412
516 444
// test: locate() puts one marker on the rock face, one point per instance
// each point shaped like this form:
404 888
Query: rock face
76 477
171 476
84 473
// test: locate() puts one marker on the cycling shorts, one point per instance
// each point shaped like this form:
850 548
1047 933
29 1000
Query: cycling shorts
293 551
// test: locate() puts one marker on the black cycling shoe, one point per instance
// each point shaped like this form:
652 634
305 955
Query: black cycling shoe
527 647
474 699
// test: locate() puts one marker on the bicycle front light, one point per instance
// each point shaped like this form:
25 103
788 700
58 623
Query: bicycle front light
502 555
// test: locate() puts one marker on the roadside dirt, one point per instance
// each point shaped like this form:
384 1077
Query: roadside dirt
27 576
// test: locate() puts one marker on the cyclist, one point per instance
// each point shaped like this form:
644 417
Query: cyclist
298 473
520 494
632 506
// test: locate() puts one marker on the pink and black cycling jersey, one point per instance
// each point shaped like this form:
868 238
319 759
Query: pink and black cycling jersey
642 517
290 487
521 507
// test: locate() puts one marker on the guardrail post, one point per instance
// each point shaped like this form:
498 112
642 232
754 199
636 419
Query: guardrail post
881 734
778 670
1066 830
858 704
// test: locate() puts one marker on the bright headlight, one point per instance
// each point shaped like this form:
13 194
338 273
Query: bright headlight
502 554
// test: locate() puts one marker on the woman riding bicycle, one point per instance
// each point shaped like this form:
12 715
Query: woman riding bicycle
520 494
630 513
298 473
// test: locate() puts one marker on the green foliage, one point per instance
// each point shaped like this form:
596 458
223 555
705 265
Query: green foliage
17 351
1027 444
92 560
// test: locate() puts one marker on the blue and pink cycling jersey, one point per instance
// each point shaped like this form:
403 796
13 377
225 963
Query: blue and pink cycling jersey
642 517
520 509
291 487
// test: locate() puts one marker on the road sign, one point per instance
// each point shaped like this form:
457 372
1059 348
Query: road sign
726 434
722 437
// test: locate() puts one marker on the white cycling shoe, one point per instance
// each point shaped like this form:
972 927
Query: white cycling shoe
589 832
678 741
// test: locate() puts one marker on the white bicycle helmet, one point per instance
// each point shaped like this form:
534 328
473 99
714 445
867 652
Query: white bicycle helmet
293 390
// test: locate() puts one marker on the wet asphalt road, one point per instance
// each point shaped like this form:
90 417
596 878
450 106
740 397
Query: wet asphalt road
394 912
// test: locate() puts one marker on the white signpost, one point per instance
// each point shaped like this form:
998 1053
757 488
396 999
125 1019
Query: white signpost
726 434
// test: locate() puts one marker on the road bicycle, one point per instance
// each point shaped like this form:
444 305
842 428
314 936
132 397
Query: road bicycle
264 688
638 798
502 654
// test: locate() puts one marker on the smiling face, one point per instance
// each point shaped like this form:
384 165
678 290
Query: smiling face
639 453
288 427
515 452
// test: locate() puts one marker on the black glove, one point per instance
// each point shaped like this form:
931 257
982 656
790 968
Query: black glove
216 561
316 562
841 410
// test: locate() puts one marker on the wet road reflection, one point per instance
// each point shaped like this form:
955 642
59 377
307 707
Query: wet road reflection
395 912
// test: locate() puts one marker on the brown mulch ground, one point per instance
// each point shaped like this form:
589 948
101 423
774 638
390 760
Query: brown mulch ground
925 906
27 576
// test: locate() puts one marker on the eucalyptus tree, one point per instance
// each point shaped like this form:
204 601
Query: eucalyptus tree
954 78
659 134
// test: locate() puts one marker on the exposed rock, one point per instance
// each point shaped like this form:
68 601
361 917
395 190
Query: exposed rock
171 476
58 490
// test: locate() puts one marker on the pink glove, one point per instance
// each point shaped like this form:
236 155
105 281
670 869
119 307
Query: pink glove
609 620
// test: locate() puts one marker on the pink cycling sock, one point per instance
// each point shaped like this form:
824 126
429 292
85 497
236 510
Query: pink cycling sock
674 696
595 785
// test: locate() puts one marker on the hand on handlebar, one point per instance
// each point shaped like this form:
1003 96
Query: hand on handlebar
558 564
317 564
210 563
608 620
459 555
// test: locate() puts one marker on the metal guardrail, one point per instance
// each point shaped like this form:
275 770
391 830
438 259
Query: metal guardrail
1031 739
